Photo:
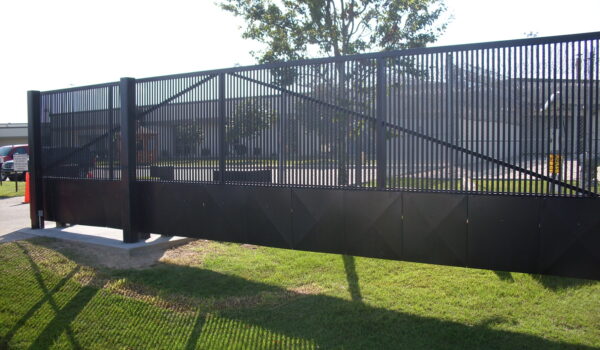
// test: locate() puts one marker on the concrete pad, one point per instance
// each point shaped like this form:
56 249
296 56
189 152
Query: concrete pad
105 247
97 245
14 236
107 237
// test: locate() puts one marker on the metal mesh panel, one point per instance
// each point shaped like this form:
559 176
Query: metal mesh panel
516 117
176 133
80 130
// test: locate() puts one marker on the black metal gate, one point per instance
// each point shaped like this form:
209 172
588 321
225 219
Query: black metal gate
481 155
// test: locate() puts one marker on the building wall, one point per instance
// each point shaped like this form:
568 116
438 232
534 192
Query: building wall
13 140
13 134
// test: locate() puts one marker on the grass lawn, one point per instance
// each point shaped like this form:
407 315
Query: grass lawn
524 186
7 189
210 295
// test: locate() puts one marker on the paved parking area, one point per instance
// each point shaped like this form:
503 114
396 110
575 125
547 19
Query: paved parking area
14 215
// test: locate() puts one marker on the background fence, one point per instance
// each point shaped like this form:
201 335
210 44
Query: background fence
515 117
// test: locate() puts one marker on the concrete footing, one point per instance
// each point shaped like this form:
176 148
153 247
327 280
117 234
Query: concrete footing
105 246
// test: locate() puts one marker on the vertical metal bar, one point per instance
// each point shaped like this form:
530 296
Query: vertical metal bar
381 114
450 122
222 141
110 134
128 159
34 115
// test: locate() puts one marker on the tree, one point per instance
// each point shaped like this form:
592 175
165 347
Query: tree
291 29
297 29
188 135
249 118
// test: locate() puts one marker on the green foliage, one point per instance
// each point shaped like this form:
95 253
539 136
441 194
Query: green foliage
188 135
250 117
292 29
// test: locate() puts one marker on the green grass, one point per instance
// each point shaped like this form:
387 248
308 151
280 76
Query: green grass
523 186
493 185
250 161
7 189
229 296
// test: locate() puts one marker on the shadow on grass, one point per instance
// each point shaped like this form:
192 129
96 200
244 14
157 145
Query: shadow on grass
504 276
551 282
555 284
324 321
63 316
298 319
352 277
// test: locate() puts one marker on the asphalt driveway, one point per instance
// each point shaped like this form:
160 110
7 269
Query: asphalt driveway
14 215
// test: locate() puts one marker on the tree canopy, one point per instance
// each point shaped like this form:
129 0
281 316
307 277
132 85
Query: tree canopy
296 29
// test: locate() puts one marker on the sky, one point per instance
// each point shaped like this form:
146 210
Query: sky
47 45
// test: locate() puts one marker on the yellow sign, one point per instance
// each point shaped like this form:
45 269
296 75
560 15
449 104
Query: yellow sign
554 162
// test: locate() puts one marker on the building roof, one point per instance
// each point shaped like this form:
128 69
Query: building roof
13 130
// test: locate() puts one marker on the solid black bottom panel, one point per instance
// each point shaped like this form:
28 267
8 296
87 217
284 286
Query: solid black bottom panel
558 236
373 224
504 233
268 217
318 220
200 211
83 202
435 228
570 237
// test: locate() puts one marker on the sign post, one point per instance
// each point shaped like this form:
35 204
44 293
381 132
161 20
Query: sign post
21 162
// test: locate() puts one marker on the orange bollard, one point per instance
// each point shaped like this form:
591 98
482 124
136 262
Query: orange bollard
26 187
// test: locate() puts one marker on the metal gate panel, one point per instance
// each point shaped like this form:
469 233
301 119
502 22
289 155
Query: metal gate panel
268 217
435 228
318 215
504 233
172 209
192 210
83 202
225 219
570 237
373 223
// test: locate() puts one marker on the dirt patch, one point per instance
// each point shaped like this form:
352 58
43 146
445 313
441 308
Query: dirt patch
249 246
307 289
266 298
191 254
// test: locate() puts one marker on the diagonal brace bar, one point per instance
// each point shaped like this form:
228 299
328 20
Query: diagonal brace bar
139 116
179 94
425 137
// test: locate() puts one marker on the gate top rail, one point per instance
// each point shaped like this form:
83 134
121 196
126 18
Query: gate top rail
384 54
391 53
81 88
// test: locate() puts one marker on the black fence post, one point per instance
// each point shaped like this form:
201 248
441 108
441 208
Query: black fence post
380 126
222 141
34 116
128 160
